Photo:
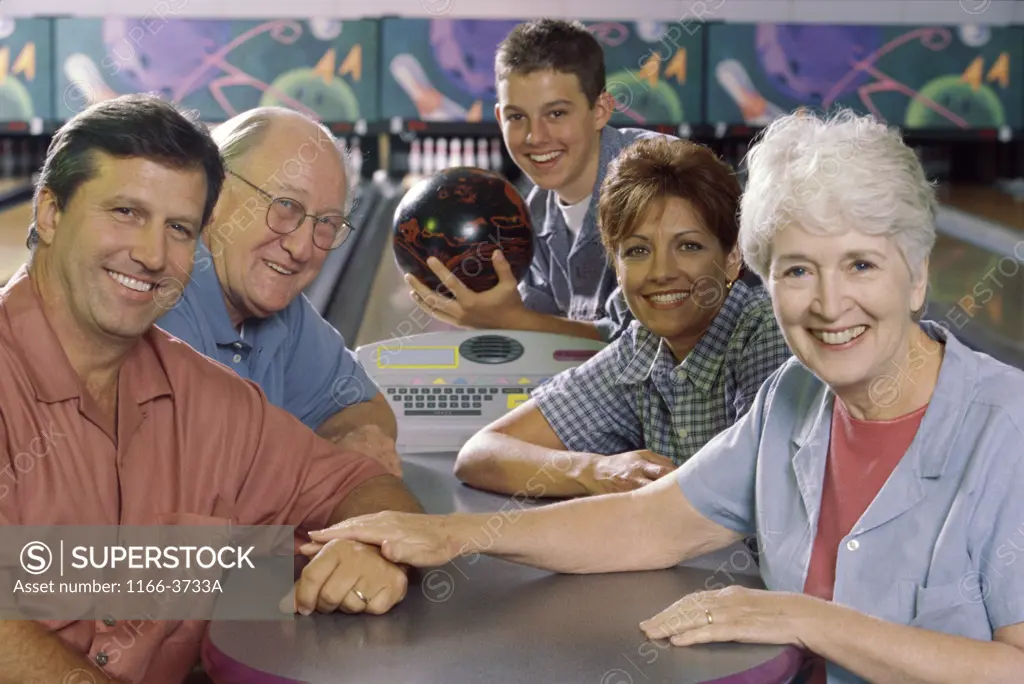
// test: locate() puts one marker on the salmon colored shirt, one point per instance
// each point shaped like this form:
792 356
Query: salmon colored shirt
195 444
862 455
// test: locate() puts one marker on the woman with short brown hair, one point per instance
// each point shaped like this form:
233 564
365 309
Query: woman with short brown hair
688 367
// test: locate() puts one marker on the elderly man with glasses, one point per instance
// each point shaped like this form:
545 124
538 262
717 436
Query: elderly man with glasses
282 210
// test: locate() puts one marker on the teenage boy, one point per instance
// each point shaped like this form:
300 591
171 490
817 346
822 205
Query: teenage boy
553 109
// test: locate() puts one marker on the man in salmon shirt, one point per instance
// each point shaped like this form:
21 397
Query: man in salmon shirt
141 429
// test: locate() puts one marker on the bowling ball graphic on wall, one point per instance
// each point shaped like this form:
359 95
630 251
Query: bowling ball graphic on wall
329 99
805 62
978 107
637 101
173 61
15 101
464 50
461 216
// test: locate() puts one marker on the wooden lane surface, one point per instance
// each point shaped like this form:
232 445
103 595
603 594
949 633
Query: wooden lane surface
8 184
13 231
988 203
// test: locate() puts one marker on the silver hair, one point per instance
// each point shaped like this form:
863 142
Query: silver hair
244 133
831 173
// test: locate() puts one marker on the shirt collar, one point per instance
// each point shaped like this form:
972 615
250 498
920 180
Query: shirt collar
946 409
205 294
652 358
612 144
47 365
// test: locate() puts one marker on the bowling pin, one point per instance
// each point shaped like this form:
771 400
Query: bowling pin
756 110
428 157
441 161
416 158
467 153
497 163
455 158
430 103
482 159
357 158
83 72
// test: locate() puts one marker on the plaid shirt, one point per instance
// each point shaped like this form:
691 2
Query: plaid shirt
632 395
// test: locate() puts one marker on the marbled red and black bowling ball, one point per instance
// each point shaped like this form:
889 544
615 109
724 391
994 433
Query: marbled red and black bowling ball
461 216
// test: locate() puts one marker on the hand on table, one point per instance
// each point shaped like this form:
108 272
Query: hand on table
408 538
342 574
372 441
500 307
624 472
752 616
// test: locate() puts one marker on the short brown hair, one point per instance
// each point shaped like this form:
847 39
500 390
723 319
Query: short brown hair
553 45
653 169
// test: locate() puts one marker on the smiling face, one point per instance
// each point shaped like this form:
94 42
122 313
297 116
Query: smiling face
552 132
113 259
844 304
261 271
674 273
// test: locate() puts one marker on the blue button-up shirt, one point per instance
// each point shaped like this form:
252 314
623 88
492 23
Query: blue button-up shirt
571 276
940 546
297 358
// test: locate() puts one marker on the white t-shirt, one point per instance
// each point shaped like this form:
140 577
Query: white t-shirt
574 214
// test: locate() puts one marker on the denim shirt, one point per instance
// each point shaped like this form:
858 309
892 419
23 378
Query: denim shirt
938 546
573 278
296 357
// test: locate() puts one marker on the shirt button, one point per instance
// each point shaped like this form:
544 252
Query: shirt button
853 545
237 345
109 621
683 432
101 659
236 358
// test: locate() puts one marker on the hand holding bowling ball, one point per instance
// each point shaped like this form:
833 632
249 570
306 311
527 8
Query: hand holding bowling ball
465 237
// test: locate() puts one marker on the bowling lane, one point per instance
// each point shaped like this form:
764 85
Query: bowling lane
977 287
14 223
987 203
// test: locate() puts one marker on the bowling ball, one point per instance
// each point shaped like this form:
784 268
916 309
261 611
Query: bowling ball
806 61
328 99
460 216
980 108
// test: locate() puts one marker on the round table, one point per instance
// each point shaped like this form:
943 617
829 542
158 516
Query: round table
479 619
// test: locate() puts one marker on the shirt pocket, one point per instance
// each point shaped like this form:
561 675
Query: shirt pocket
955 608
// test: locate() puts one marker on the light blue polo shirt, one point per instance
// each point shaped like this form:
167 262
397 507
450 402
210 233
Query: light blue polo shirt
297 358
939 546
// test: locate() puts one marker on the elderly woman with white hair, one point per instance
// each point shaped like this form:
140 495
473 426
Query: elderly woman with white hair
881 468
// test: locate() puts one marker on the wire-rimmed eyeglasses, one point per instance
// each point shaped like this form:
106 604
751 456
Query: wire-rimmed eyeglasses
285 215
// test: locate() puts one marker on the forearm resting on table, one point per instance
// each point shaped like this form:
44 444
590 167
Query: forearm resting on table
888 653
381 493
501 463
646 529
373 413
30 653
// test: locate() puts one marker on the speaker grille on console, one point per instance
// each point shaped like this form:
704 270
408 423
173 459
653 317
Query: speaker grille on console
491 349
